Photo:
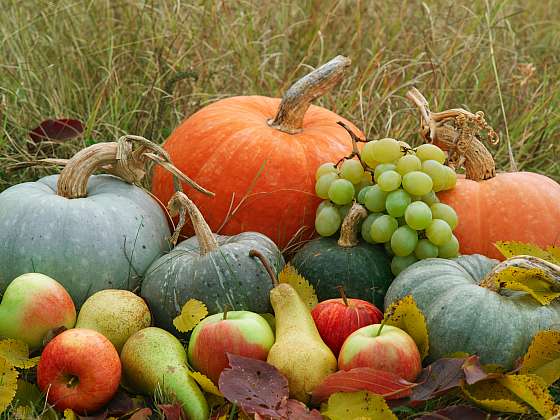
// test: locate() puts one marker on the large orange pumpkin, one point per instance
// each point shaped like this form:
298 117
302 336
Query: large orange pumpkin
259 156
510 206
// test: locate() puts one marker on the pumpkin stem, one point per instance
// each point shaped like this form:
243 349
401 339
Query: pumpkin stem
457 131
547 277
349 229
299 96
255 253
340 289
180 203
116 158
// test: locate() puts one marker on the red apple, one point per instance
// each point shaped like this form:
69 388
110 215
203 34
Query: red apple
391 350
79 369
238 332
336 319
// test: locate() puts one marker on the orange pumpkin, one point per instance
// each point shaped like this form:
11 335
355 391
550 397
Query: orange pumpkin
511 206
259 156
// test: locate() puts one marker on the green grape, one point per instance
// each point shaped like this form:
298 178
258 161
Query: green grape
383 228
445 212
388 249
436 171
343 210
328 221
362 194
417 183
403 241
425 249
450 249
397 202
418 215
386 150
430 198
408 163
389 181
322 205
438 232
323 184
382 167
374 199
366 227
430 151
325 168
450 178
399 264
341 191
367 155
352 170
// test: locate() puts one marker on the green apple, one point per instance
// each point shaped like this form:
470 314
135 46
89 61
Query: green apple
117 314
32 305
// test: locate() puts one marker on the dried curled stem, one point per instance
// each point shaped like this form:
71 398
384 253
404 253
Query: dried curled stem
458 132
349 229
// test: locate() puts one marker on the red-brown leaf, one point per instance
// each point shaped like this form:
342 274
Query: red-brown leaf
298 410
376 381
458 412
57 130
142 414
171 411
473 370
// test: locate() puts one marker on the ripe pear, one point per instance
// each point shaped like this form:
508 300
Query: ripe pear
117 314
153 357
299 352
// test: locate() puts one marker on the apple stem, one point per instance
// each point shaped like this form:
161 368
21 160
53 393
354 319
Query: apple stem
380 328
340 289
72 382
226 309
267 265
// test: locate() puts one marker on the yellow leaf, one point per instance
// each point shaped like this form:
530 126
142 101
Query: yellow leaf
493 396
192 313
205 383
69 414
533 390
512 248
355 405
17 353
405 315
23 412
305 290
543 357
8 383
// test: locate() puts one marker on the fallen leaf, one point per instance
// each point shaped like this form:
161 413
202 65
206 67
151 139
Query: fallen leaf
357 405
543 357
60 129
297 410
122 404
192 313
513 248
205 383
17 353
405 315
534 391
255 386
474 372
458 412
493 396
171 411
8 383
27 394
538 283
379 382
304 289
69 414
142 414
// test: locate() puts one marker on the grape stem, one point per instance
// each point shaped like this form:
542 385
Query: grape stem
355 141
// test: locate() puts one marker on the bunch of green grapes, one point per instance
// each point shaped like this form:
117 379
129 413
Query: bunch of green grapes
404 212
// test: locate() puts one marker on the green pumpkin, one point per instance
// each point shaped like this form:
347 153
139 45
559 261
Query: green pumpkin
213 269
99 233
363 269
463 316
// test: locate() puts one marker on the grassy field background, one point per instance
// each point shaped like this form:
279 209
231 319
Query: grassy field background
140 67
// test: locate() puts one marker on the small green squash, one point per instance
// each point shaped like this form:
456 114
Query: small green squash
463 312
363 269
214 269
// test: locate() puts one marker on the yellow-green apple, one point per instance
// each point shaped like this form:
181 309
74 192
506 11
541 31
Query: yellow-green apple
79 369
380 347
336 319
242 333
32 305
117 314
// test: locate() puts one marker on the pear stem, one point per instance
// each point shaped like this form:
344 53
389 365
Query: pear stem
340 289
254 253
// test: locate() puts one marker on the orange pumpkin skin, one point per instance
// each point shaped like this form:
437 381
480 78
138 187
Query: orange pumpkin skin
262 177
515 206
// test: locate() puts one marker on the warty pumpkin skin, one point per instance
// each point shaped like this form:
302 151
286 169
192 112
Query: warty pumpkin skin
261 167
464 317
214 269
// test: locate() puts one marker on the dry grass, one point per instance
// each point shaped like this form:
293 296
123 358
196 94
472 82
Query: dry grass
140 67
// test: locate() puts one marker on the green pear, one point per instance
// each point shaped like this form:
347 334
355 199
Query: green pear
299 352
117 314
153 357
